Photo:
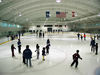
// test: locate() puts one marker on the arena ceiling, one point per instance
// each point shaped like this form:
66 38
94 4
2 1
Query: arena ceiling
32 12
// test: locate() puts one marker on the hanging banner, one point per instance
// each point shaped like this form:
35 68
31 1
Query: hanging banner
47 14
60 14
73 14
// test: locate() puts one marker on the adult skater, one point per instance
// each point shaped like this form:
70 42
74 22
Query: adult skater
40 34
92 44
96 46
81 37
27 54
78 35
12 50
19 45
48 42
43 53
47 49
43 34
84 36
37 50
97 37
76 56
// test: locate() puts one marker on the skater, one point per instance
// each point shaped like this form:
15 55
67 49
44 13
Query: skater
78 35
81 37
76 56
97 37
27 54
43 53
24 59
8 37
96 46
48 42
84 36
94 37
40 34
92 44
19 46
12 50
43 34
47 49
37 50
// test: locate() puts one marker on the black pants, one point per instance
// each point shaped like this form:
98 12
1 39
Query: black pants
24 60
75 62
38 55
96 51
19 49
47 51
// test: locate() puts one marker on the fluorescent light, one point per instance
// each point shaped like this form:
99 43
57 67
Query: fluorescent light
20 14
58 1
98 14
18 26
0 1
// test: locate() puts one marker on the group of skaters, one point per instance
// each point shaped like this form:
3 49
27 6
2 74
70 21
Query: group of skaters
13 47
27 53
45 50
76 56
12 37
94 46
40 34
81 36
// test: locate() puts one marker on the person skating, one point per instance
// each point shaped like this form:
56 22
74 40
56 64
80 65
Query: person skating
96 46
48 42
27 54
76 56
97 37
92 44
19 45
84 36
47 49
81 37
43 54
37 50
43 34
12 50
78 35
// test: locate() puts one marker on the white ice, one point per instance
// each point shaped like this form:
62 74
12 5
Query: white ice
63 46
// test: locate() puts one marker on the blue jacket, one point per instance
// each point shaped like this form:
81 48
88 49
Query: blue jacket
27 53
19 43
92 43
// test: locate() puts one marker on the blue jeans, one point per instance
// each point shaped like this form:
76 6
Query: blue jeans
28 61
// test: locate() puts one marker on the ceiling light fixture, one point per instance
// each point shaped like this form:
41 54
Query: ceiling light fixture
58 1
98 14
0 1
20 14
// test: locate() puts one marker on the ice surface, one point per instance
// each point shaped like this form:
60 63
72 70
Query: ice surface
57 62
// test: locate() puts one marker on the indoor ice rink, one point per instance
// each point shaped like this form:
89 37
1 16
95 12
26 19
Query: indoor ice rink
60 21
